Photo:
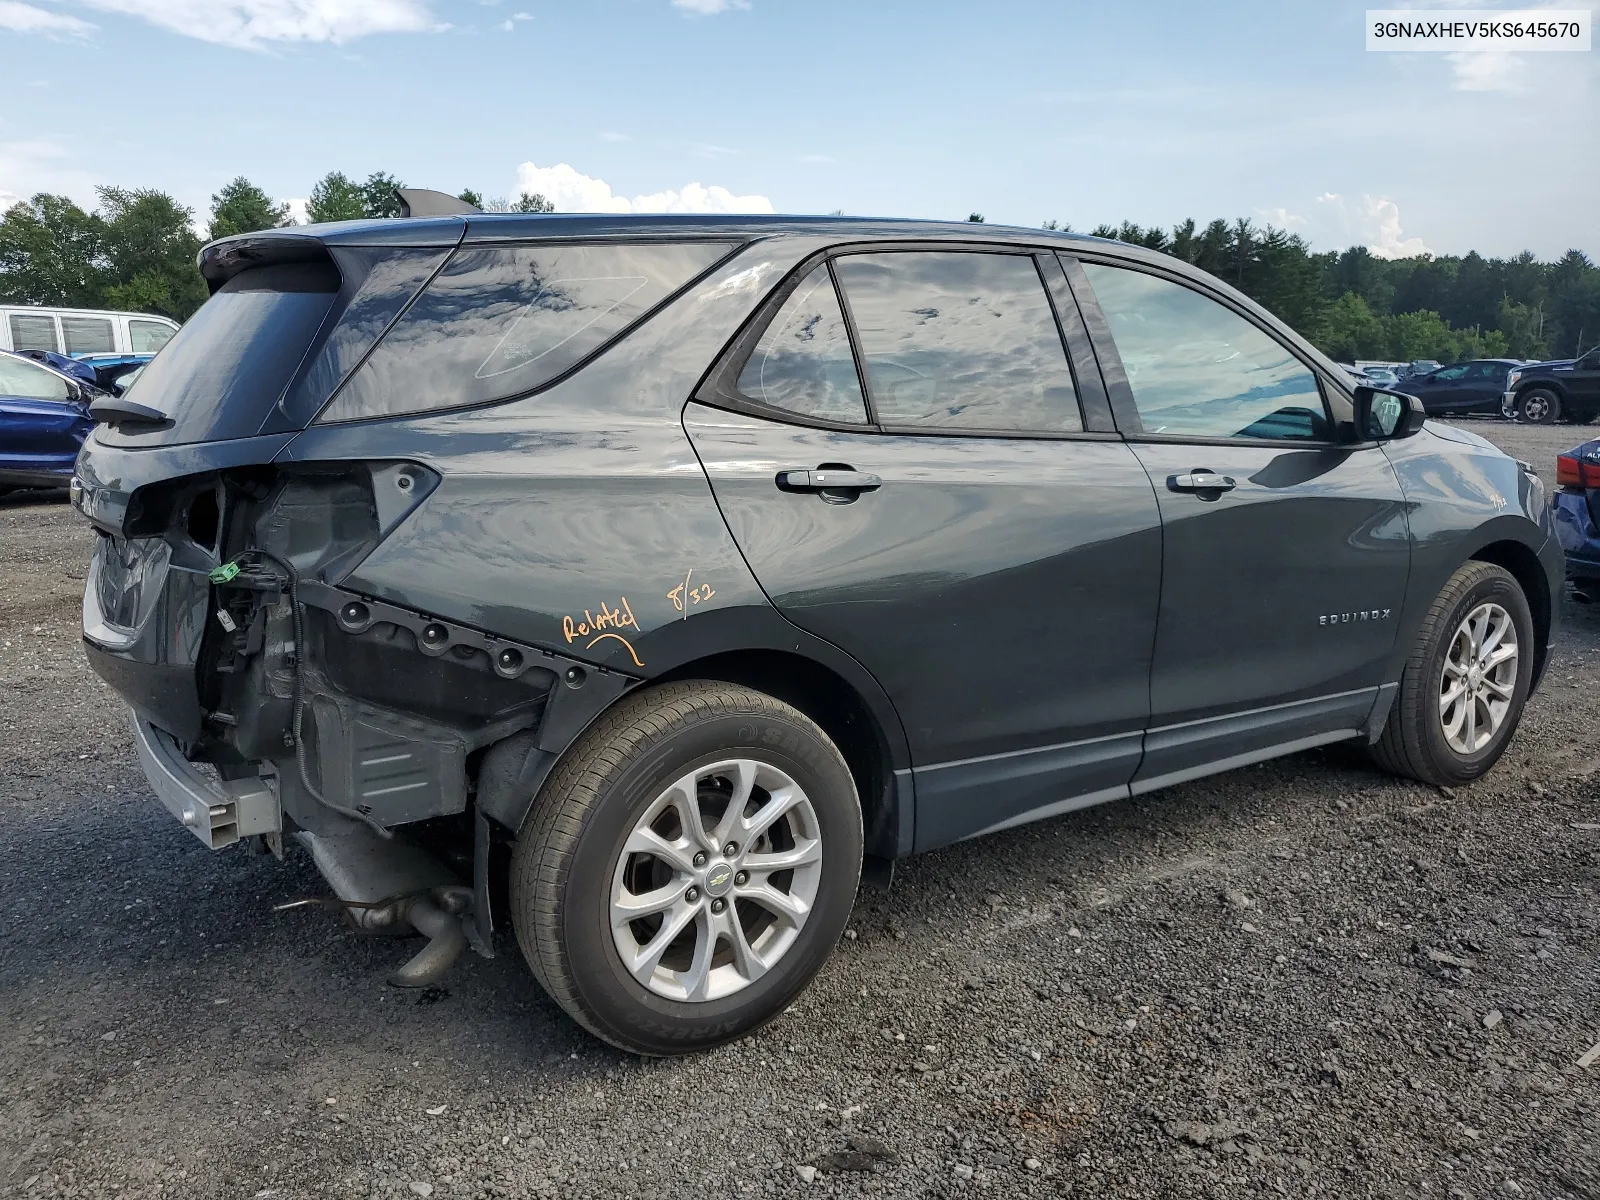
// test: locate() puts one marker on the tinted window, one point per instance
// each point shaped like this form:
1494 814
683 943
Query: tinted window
1198 369
378 283
959 340
32 331
499 321
1450 374
18 377
225 369
803 363
146 337
88 335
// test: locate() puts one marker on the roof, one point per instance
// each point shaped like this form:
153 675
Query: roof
222 259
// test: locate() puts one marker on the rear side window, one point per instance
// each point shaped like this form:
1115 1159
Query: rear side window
959 340
500 321
19 377
803 363
88 335
33 331
146 337
1198 369
223 372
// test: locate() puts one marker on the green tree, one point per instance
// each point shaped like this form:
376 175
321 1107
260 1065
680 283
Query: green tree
52 252
471 197
377 195
976 218
532 203
242 207
151 246
336 197
1351 331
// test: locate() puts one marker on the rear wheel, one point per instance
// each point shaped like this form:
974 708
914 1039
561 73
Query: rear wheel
688 867
1464 686
1539 406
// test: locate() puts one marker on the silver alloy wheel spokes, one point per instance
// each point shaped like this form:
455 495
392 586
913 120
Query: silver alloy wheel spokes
1479 679
716 880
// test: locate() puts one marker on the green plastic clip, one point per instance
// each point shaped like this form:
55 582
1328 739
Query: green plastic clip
224 573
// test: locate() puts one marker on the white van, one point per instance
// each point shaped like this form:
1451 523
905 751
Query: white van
82 330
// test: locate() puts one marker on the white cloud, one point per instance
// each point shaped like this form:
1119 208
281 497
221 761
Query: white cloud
25 18
1375 222
7 199
1489 71
297 210
709 8
251 23
27 168
1281 218
572 191
514 19
817 158
611 136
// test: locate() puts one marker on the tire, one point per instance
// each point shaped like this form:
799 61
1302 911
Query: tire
1415 742
1539 406
571 866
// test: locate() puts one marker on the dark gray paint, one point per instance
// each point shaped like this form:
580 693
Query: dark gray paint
995 602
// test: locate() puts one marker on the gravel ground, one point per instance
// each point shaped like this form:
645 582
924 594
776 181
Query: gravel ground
1304 978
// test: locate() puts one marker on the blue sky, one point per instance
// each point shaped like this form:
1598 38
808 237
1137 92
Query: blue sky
1022 110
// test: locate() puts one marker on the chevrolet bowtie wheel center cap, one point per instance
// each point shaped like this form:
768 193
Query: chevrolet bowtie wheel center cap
719 879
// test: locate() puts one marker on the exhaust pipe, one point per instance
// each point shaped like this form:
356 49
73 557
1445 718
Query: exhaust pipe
391 887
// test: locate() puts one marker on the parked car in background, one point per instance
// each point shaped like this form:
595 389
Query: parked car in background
79 331
1576 509
44 417
1420 366
1381 376
1559 390
103 371
684 561
1477 385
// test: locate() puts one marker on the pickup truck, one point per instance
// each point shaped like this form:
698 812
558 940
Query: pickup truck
1565 390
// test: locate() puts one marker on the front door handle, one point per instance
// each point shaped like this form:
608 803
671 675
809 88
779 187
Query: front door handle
830 479
1201 481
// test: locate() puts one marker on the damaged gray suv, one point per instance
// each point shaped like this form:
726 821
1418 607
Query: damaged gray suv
640 582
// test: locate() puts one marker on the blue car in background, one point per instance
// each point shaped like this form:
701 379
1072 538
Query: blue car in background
1576 509
108 372
44 417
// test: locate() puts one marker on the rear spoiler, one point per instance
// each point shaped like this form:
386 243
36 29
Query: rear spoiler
222 260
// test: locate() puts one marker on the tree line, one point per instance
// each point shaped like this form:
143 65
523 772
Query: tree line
137 249
1354 305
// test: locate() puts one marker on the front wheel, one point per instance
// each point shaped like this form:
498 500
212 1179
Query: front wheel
1539 406
688 867
1463 688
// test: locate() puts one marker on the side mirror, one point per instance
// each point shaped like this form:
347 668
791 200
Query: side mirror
1383 415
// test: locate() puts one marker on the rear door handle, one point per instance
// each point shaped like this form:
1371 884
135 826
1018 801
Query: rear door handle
829 480
1201 481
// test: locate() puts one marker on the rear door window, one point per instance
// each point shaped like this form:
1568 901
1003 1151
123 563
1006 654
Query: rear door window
146 337
88 335
803 363
960 340
34 331
1199 369
500 321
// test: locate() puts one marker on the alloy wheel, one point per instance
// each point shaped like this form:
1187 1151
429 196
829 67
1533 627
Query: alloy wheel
1479 678
716 880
